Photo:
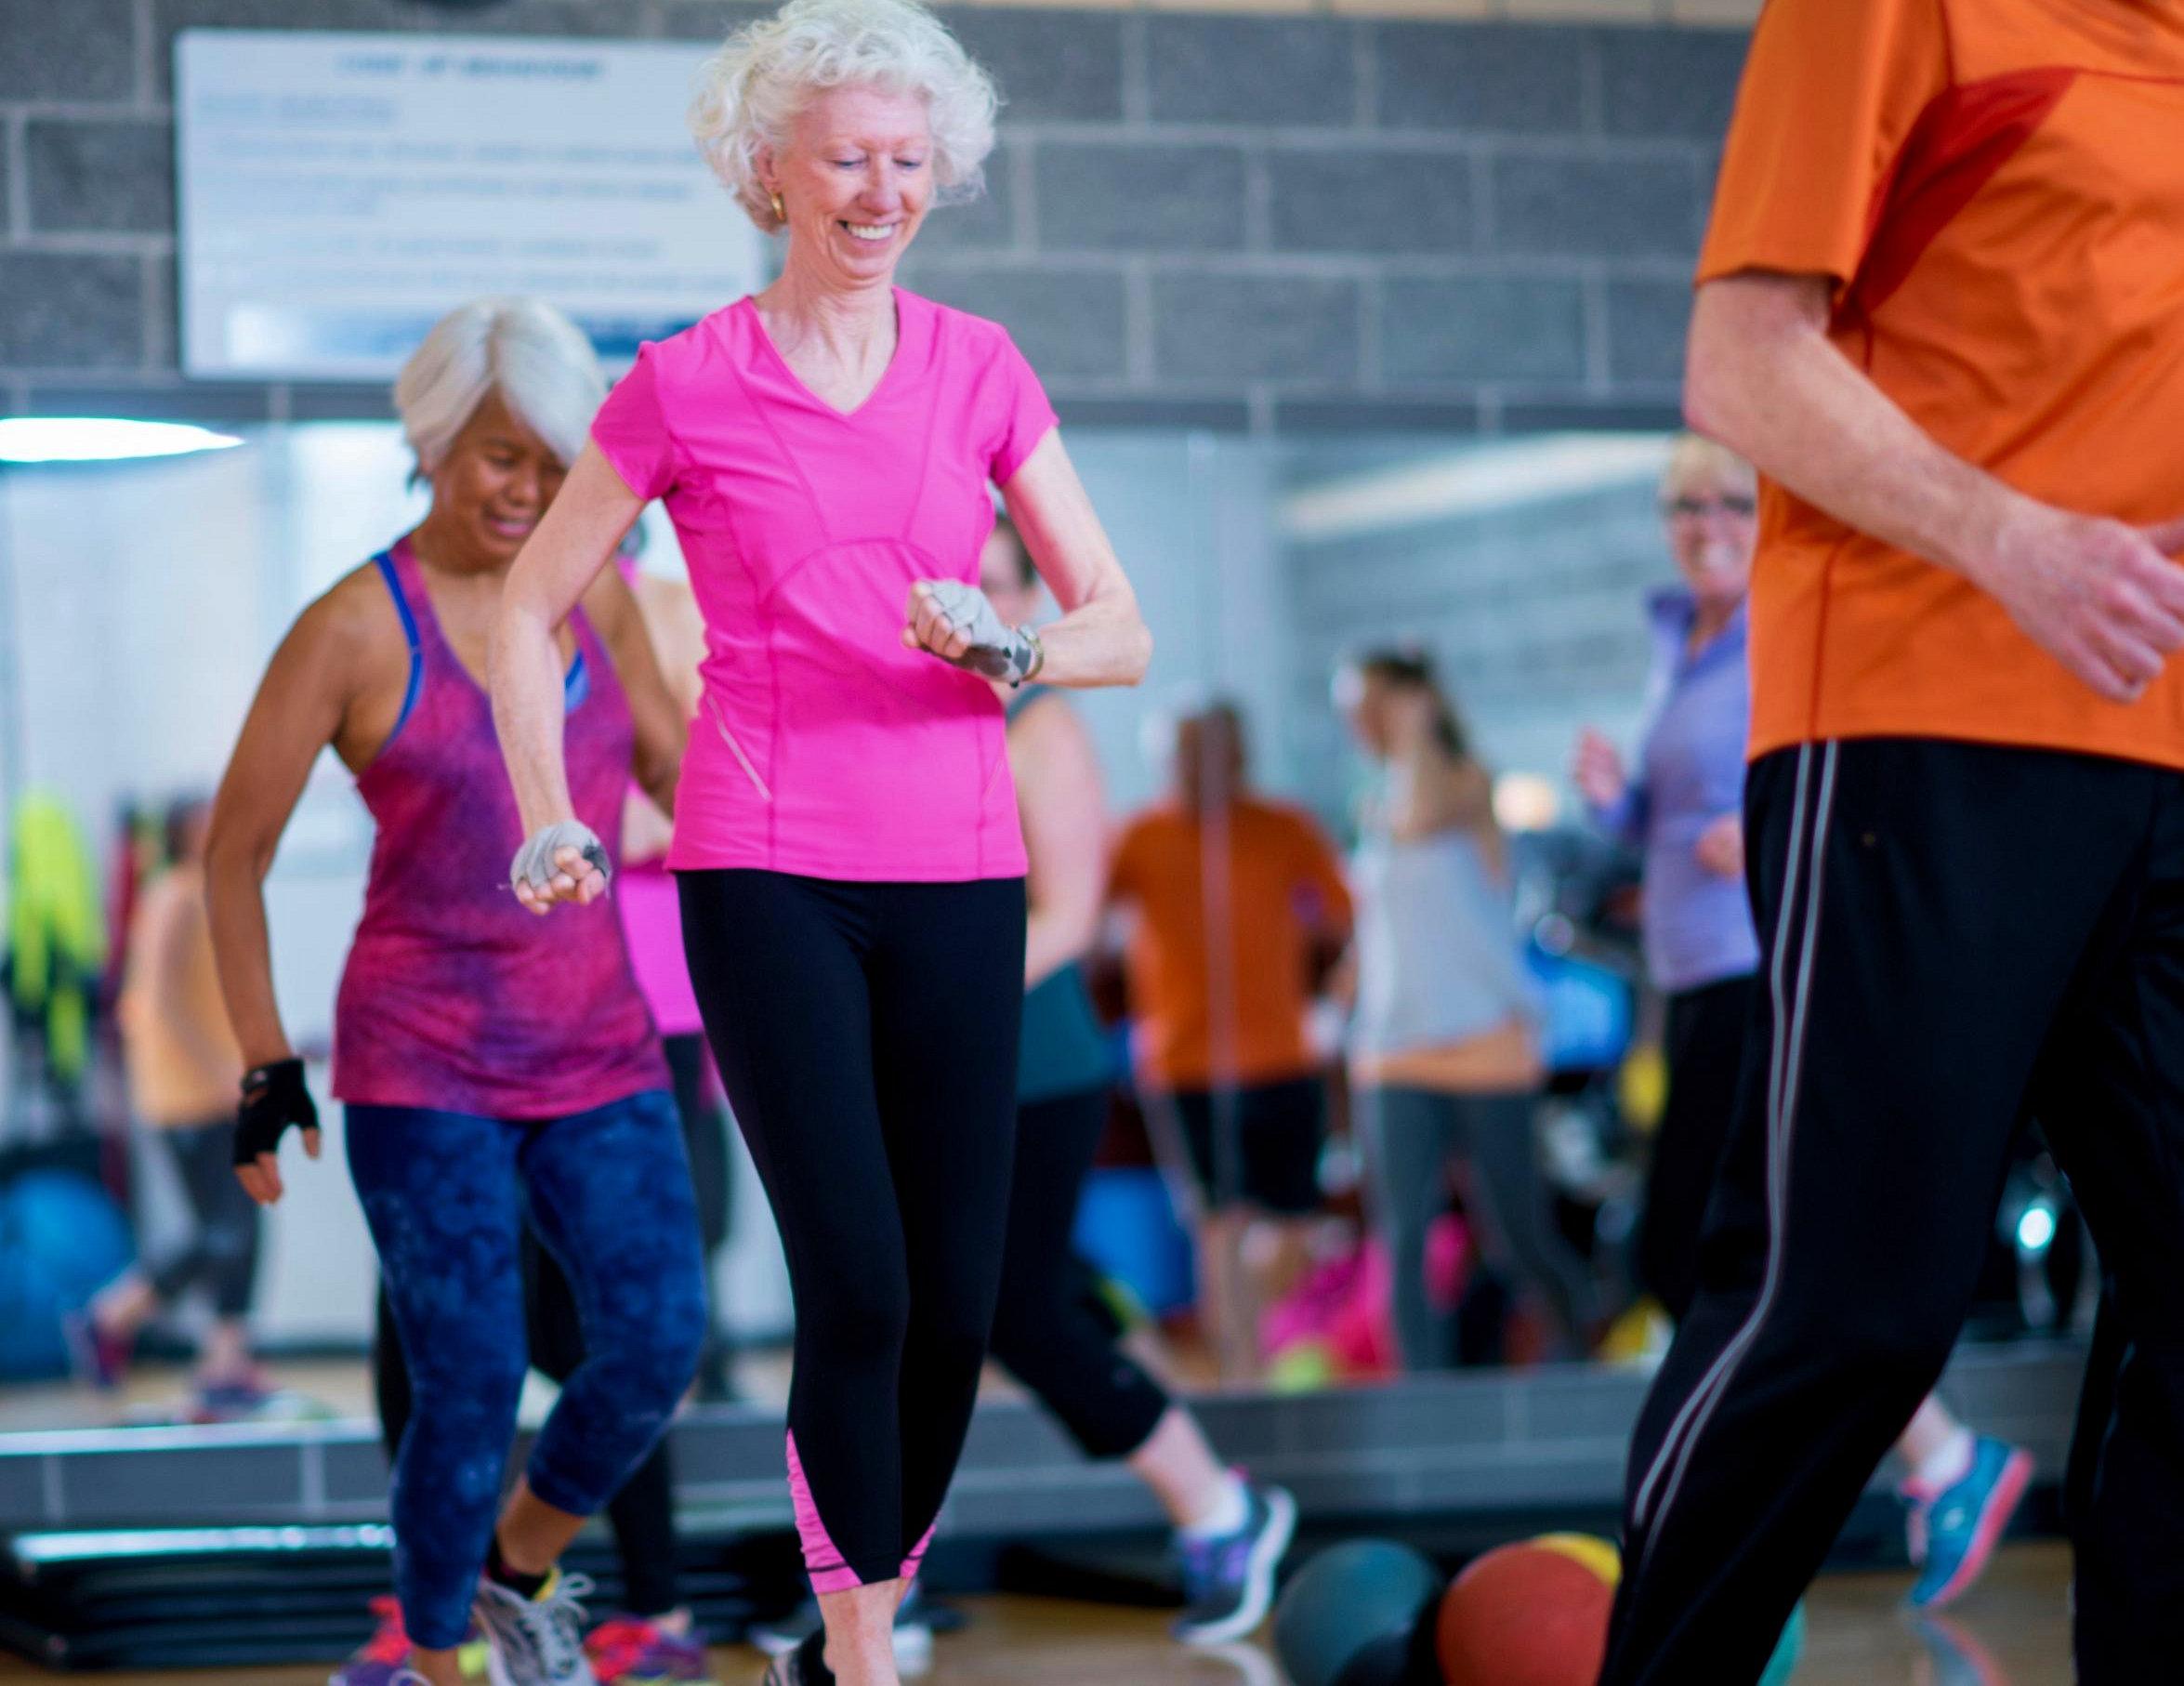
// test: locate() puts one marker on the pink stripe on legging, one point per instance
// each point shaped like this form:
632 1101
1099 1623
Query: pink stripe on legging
916 1555
822 1558
822 1561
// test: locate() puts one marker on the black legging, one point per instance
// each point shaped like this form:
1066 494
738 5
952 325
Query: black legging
222 1253
1053 1331
642 1514
1703 1047
704 1135
866 1033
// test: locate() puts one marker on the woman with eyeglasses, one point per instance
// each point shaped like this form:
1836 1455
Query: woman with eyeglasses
1682 805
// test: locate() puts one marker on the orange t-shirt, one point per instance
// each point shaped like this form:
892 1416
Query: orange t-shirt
1997 188
182 1060
1232 1010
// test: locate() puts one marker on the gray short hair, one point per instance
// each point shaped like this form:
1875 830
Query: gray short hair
540 362
750 91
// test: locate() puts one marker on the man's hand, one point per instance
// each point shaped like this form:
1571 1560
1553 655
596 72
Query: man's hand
2104 599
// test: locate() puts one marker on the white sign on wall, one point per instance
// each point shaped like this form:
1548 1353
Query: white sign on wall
339 192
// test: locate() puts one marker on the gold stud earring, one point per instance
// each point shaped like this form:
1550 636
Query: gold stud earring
780 211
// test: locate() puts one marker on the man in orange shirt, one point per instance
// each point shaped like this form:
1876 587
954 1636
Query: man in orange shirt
1941 307
1234 898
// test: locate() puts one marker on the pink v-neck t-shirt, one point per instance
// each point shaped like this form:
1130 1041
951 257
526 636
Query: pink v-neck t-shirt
821 747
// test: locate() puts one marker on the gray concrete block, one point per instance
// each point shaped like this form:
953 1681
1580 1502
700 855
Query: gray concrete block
618 20
208 404
1146 197
1580 415
1050 65
1065 323
1348 418
1324 200
1648 321
100 176
1490 79
703 20
608 19
1483 328
1255 327
71 310
85 49
1208 415
170 17
236 1483
1596 204
326 401
1288 70
984 224
1673 83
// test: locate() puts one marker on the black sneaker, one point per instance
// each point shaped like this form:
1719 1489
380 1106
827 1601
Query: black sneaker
1229 1582
914 1632
803 1664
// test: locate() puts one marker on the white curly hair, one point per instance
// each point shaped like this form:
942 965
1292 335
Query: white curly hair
540 362
750 92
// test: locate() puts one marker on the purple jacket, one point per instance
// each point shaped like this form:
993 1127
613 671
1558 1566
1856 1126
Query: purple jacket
1689 773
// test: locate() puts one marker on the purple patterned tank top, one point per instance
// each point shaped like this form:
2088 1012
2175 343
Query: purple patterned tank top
454 997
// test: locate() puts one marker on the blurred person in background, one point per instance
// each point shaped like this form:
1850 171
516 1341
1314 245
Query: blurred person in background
1052 1332
1681 804
183 1068
511 1132
1444 1044
1235 901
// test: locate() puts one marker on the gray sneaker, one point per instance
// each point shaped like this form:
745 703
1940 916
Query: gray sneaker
535 1642
1228 1583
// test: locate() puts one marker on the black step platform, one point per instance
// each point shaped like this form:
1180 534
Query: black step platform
173 1547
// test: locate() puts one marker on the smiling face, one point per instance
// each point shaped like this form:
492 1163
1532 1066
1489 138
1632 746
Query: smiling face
490 488
856 178
1709 501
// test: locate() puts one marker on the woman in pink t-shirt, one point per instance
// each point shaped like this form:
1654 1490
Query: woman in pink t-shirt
847 844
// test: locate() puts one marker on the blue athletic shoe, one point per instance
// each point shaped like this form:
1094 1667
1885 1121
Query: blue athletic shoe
1953 1529
1229 1582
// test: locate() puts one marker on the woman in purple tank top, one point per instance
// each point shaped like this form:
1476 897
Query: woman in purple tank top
497 1074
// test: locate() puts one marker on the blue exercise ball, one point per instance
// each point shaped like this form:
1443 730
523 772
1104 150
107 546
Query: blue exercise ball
1359 1614
63 1238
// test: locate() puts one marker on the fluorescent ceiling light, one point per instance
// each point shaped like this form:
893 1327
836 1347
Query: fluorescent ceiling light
100 439
1473 480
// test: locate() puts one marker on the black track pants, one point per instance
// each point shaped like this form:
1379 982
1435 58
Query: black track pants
1954 938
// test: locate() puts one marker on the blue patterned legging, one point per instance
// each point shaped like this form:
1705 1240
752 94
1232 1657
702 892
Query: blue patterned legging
445 1195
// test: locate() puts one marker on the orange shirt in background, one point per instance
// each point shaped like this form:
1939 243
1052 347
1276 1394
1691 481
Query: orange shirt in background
184 1065
1997 188
1219 961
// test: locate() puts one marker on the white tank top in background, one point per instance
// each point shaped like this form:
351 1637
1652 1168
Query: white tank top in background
1439 960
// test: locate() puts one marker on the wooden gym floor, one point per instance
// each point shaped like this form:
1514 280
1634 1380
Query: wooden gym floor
2012 1631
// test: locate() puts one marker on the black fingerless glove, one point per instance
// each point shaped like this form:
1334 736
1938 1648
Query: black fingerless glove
273 1098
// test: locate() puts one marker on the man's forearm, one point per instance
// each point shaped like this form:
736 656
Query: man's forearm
1766 381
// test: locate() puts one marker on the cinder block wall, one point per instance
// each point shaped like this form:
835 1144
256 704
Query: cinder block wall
1456 214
